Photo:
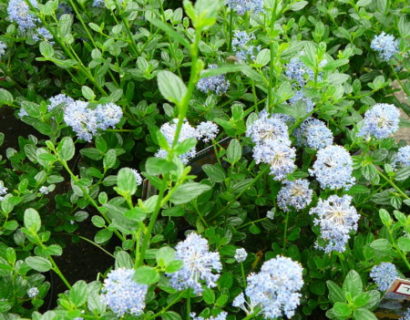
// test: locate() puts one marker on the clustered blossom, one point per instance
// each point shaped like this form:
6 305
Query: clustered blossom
337 218
294 195
85 121
386 45
406 315
275 289
3 190
270 214
298 71
19 12
333 168
168 130
243 6
59 100
44 190
221 316
240 255
98 3
217 84
42 34
122 294
380 121
314 133
240 45
384 274
32 292
3 48
300 96
272 145
199 265
402 158
207 131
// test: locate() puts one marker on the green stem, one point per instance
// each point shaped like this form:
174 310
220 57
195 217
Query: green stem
401 192
252 222
188 305
97 245
243 275
285 232
396 247
177 299
128 30
57 270
230 30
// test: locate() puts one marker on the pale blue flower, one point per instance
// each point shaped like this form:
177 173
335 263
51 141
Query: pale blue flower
42 34
275 289
60 100
3 48
217 84
333 168
3 190
294 195
19 12
44 190
402 158
386 45
221 316
298 71
81 119
243 6
314 133
32 292
300 96
380 121
207 131
98 3
242 47
384 274
406 315
280 157
270 214
122 294
337 218
200 266
240 255
108 115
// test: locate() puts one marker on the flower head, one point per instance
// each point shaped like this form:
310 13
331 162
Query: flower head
298 71
380 121
279 156
59 100
240 255
221 316
300 96
268 129
207 131
402 158
243 6
42 34
19 12
314 133
44 190
337 218
81 119
333 168
3 48
32 292
122 294
294 194
384 274
242 47
108 115
385 45
217 84
275 289
199 265
270 214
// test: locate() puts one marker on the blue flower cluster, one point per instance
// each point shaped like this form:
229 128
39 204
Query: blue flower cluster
199 265
275 289
122 294
314 133
384 274
85 121
42 34
3 48
406 315
240 45
243 6
19 12
60 100
294 195
272 145
300 96
32 292
217 84
386 45
337 218
221 316
207 131
240 255
298 71
333 168
380 121
3 190
402 158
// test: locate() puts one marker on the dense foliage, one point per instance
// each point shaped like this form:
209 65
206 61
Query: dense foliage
231 159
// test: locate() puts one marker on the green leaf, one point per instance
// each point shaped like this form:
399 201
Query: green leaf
174 266
165 256
381 245
214 172
404 244
263 57
88 93
402 174
298 5
32 220
385 217
209 296
187 192
39 264
78 293
98 221
66 148
103 236
5 97
168 30
342 310
46 49
126 181
146 275
123 260
170 315
363 314
109 159
353 283
157 166
234 151
374 299
171 86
